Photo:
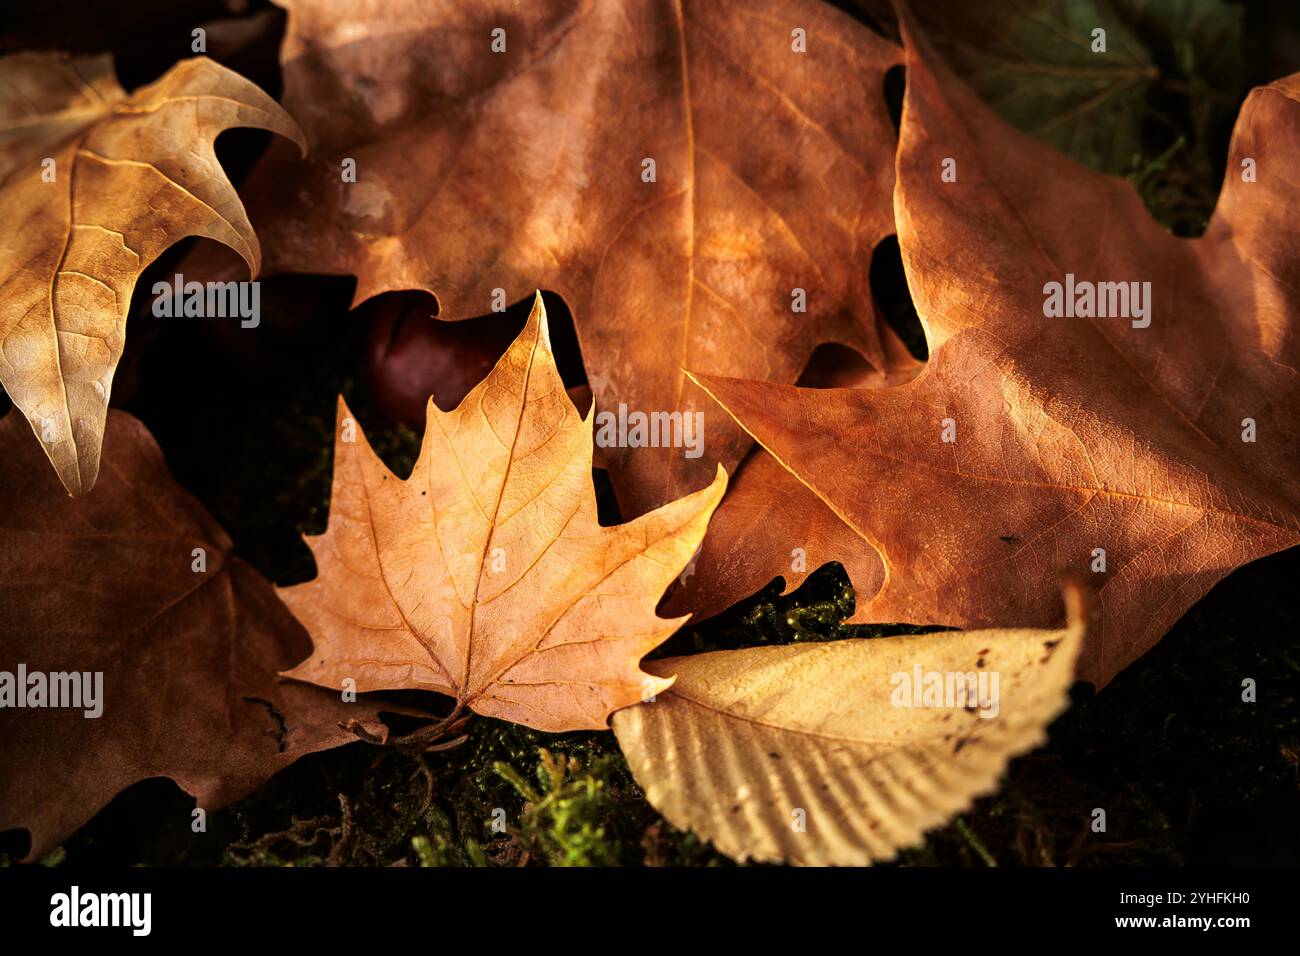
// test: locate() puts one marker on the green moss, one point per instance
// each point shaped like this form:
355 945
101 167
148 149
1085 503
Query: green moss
561 819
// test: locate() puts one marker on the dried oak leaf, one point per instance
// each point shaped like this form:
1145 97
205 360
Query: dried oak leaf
106 583
485 575
1074 436
836 753
94 185
479 170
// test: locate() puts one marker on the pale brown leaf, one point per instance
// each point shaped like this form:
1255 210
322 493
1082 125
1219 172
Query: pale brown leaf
485 574
748 745
132 175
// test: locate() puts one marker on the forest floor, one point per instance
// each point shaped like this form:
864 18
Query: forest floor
1185 770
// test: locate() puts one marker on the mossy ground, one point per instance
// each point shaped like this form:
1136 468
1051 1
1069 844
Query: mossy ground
1186 771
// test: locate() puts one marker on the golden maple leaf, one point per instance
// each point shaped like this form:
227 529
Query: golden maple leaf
485 575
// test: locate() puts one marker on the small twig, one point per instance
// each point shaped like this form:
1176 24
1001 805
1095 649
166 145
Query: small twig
430 738
346 831
424 771
303 833
357 728
434 736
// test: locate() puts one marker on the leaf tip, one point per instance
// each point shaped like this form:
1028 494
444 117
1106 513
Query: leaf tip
718 487
537 316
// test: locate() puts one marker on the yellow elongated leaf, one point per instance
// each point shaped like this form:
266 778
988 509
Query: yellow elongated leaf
844 752
94 185
485 575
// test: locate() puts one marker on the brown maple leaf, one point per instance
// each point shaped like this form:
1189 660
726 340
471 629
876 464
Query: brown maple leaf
188 652
770 525
1154 457
485 575
94 185
478 171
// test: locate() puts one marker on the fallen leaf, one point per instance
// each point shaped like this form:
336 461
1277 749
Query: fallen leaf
771 526
1152 105
189 659
1034 64
480 175
1073 436
131 175
831 753
485 575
